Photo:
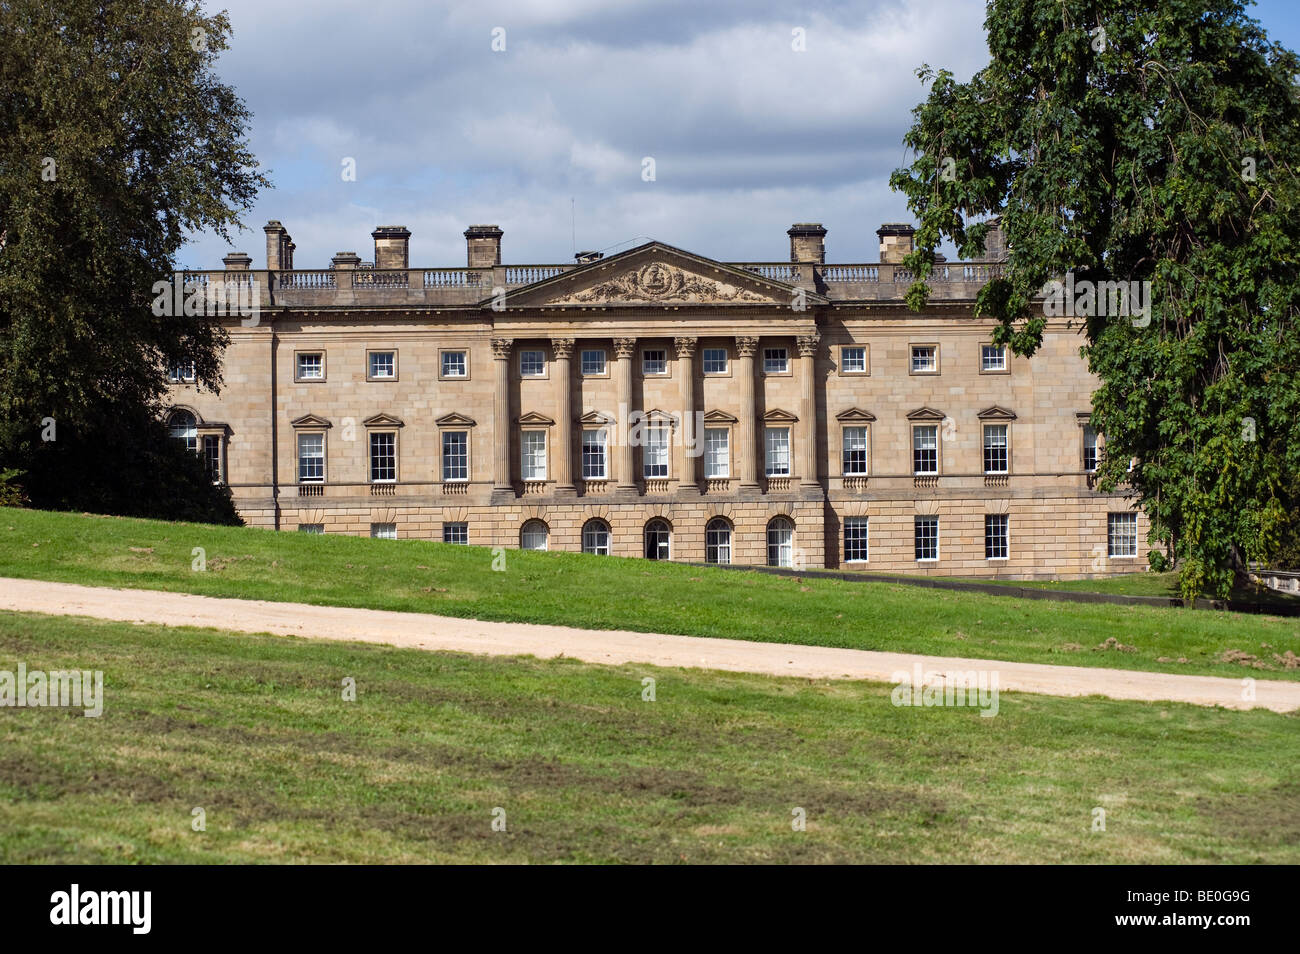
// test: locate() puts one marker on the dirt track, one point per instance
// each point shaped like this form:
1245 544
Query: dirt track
614 647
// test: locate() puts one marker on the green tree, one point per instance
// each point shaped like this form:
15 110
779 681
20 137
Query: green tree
116 140
1153 143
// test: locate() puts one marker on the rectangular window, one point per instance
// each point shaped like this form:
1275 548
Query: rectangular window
533 449
924 359
853 360
310 366
777 456
383 365
455 364
654 456
926 530
532 364
455 455
594 460
311 528
776 361
925 449
593 361
996 544
455 533
855 539
715 360
212 456
993 358
717 452
383 457
181 373
383 531
1089 448
1122 534
654 362
855 451
311 458
995 448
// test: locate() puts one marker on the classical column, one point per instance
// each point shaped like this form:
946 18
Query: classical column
623 349
687 469
563 454
747 452
502 484
808 408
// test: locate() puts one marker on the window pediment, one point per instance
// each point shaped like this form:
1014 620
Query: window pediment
534 419
595 419
779 416
455 419
996 413
855 415
925 414
383 420
719 417
310 420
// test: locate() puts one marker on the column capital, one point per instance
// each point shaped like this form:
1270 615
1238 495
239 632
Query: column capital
685 346
501 348
623 347
808 344
563 347
746 345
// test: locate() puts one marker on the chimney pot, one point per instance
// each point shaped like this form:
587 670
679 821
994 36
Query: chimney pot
276 239
237 262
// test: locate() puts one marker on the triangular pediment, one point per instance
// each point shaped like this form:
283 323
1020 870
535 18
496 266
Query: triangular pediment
310 420
658 415
652 275
925 414
855 415
719 417
535 419
455 420
383 420
596 419
779 416
996 413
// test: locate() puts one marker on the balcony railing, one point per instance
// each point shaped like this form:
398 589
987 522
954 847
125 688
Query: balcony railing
311 490
383 490
375 278
658 485
718 485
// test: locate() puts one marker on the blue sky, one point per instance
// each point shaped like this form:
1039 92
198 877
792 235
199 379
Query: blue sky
747 133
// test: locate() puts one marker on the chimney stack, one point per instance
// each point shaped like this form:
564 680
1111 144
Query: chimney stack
279 246
807 242
995 243
895 241
237 262
483 245
392 246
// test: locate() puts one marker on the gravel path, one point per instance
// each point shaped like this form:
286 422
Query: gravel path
615 647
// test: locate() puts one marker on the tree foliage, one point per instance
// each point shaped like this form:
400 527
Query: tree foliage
1142 142
116 140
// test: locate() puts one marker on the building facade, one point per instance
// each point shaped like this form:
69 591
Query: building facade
657 404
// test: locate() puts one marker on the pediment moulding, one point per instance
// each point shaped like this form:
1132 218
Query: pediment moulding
719 417
925 414
534 418
383 420
855 414
780 416
659 281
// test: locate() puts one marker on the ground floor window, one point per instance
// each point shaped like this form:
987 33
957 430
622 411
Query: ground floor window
311 528
182 427
717 541
656 540
595 537
212 456
455 533
383 531
855 539
533 536
780 542
1122 534
996 543
926 533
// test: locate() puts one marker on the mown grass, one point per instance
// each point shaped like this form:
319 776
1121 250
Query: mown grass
611 593
254 730
1163 585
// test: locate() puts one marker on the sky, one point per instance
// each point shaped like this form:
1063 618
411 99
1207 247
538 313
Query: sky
540 115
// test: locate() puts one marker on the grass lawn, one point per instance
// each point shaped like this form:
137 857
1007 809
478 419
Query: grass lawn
612 593
254 730
1164 585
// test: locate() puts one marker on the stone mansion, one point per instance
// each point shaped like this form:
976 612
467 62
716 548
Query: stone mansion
655 403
